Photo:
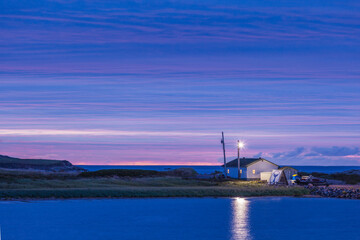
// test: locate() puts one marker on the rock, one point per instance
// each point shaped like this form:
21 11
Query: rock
336 192
353 171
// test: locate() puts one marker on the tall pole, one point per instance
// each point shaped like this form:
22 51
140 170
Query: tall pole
239 173
223 143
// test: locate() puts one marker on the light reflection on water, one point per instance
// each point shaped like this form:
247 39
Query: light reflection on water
240 222
181 218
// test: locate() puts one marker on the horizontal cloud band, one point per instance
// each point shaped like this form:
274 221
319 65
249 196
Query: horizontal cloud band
101 132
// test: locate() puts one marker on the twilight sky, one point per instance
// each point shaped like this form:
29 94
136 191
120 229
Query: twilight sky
155 82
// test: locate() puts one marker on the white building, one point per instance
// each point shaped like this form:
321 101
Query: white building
250 168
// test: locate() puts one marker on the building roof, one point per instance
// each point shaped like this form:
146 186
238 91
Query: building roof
245 162
284 167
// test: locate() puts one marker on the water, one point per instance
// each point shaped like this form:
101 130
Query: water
211 169
181 218
199 169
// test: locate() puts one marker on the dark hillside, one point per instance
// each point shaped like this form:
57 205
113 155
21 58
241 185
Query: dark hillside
7 162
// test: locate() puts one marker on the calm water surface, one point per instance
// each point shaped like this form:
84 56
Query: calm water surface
211 169
182 218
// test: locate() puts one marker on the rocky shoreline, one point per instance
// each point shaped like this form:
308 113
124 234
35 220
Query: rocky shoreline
335 192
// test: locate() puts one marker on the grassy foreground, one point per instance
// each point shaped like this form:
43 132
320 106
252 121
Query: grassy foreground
105 187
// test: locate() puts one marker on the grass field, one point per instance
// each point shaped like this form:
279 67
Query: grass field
27 188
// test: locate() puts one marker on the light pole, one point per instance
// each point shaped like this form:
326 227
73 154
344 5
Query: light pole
240 145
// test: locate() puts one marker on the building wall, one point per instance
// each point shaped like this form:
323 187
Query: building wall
233 172
254 170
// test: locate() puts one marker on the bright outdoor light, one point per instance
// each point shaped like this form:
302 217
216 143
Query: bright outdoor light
241 145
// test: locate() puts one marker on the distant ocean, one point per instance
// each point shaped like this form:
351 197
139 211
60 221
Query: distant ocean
211 169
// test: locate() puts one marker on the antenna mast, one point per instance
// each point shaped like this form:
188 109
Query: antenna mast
223 143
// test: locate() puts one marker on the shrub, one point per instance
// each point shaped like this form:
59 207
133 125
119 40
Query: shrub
182 172
122 173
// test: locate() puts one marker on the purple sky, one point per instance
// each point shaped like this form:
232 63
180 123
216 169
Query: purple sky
155 82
